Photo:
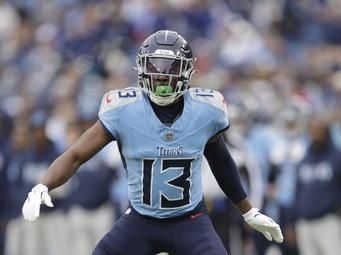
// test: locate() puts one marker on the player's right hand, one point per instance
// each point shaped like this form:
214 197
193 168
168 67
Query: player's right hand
38 195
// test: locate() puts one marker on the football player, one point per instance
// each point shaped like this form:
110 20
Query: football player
163 129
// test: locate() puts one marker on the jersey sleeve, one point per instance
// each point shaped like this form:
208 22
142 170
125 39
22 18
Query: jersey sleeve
213 109
222 122
218 110
107 114
112 102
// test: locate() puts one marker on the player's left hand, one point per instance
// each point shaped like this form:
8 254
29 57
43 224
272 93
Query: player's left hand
263 224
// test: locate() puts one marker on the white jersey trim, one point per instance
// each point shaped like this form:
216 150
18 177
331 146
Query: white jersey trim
117 98
210 97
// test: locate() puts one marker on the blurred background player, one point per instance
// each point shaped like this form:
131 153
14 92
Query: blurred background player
90 213
288 150
30 153
5 128
225 218
318 204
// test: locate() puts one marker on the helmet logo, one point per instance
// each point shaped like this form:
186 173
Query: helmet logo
164 52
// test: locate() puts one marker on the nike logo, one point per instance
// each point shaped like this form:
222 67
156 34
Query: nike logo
256 215
108 99
193 216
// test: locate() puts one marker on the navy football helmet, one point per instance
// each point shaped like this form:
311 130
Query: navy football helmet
165 65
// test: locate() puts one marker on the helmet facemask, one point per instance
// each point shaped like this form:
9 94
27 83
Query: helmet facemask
163 75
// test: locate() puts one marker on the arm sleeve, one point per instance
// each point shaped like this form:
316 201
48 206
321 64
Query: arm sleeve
224 169
107 114
222 122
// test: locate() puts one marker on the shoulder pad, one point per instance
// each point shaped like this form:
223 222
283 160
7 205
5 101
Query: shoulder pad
210 97
118 98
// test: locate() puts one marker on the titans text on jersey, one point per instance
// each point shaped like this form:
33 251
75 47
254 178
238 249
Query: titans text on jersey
163 162
170 151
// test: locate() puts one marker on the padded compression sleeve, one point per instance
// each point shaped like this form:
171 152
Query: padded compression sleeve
224 169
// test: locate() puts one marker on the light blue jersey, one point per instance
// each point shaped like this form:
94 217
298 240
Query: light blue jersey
163 163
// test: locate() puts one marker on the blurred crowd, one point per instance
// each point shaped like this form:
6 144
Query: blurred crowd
278 63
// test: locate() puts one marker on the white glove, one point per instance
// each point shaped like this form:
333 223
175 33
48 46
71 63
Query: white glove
38 195
263 224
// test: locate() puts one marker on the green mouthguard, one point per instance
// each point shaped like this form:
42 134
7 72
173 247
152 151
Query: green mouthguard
163 90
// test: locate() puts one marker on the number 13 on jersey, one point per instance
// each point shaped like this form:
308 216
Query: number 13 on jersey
179 173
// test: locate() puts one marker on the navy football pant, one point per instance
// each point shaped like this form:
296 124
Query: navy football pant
134 234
